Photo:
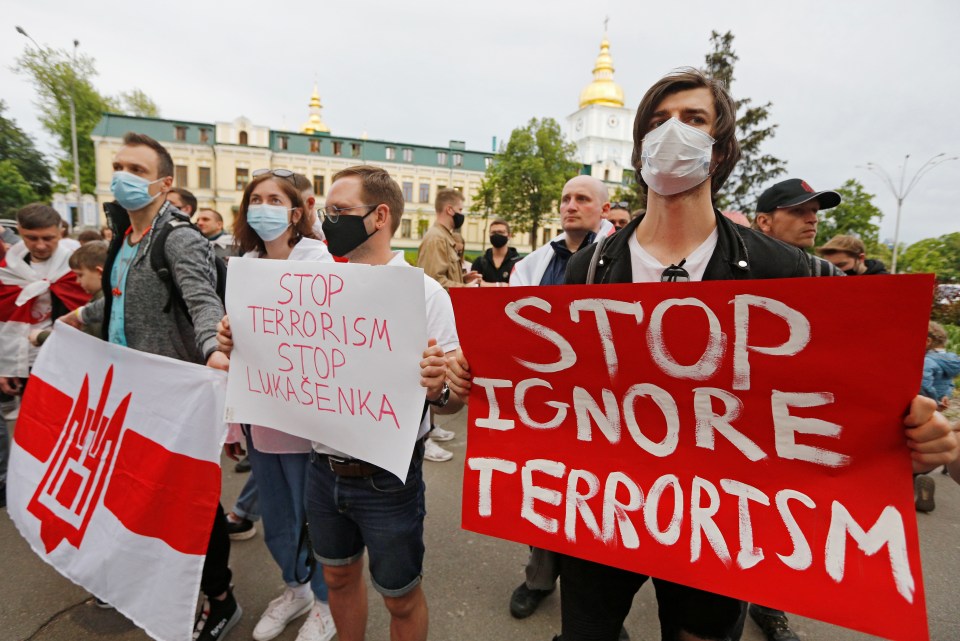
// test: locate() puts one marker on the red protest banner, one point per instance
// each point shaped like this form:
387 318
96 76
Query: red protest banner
740 437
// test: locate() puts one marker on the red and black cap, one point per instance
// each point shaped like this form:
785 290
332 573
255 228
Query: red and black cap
792 192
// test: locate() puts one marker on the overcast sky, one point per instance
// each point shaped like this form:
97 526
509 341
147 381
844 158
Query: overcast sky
851 82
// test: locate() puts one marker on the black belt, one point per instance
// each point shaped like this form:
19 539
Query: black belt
355 468
351 468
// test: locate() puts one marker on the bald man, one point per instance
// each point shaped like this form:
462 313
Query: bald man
583 204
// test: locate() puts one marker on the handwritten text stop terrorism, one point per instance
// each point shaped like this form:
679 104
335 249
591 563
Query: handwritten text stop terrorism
319 347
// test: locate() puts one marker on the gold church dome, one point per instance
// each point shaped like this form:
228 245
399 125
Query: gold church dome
315 123
603 90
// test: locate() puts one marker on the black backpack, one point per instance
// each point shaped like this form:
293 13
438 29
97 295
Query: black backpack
158 261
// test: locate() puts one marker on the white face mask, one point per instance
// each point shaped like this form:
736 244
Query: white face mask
675 157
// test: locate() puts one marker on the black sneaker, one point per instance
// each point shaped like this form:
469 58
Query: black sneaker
524 601
774 626
242 466
924 487
100 603
241 530
217 618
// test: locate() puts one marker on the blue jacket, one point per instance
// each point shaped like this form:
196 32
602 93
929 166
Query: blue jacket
939 370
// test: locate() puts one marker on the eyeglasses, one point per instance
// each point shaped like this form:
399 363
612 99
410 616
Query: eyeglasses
332 212
279 173
623 204
675 274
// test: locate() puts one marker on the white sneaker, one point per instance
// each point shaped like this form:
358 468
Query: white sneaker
441 435
319 625
433 452
281 611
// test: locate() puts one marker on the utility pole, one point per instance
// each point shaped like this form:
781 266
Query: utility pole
901 190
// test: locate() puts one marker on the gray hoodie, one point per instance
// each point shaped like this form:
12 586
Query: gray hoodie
146 326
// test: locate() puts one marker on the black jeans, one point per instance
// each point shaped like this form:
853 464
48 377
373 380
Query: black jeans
595 599
216 576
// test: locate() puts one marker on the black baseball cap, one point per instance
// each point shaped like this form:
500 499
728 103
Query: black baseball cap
792 192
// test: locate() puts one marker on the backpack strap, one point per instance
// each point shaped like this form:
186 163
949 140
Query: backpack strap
592 269
158 259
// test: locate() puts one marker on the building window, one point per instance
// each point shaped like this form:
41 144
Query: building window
547 236
408 155
442 158
424 192
458 160
179 133
422 226
243 138
314 146
391 153
243 178
180 175
318 185
203 176
284 143
487 162
408 192
337 148
405 228
355 149
204 135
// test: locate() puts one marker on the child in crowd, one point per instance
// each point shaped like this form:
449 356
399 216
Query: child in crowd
87 263
940 367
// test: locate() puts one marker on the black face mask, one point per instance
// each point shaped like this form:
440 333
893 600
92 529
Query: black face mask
346 234
458 219
498 240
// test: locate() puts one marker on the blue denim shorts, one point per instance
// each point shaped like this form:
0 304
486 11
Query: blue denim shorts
376 512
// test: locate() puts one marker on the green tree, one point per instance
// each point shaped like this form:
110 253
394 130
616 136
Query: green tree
15 191
137 103
57 77
524 180
755 169
940 256
17 147
856 215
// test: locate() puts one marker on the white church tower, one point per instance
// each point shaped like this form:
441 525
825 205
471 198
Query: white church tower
602 128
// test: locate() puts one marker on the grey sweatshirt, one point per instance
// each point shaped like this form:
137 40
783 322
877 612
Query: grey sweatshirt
146 327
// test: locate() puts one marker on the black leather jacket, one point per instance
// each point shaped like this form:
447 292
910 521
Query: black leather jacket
741 254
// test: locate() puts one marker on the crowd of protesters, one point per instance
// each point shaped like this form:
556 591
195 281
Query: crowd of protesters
106 284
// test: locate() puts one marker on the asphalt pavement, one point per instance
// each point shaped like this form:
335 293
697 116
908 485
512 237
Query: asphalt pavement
468 579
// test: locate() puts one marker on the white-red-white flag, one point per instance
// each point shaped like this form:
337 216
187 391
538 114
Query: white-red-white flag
114 474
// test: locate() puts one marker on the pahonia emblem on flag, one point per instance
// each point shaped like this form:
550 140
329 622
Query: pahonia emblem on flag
114 474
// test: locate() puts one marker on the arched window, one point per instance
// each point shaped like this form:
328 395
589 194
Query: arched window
243 137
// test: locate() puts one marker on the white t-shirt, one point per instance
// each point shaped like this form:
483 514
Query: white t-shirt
647 269
441 325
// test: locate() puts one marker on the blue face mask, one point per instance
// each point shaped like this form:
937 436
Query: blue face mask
132 191
269 221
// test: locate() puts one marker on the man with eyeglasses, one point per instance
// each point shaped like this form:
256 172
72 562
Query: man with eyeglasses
685 148
438 255
619 214
353 505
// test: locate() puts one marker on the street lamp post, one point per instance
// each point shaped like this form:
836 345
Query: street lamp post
902 190
73 109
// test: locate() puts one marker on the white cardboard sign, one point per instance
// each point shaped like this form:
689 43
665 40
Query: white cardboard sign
330 352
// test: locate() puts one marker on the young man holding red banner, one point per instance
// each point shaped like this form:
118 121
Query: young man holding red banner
133 314
685 148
